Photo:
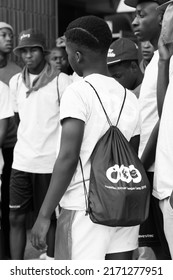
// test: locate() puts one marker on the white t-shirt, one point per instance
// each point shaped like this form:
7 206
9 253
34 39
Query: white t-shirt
80 101
148 103
75 77
5 110
163 178
37 136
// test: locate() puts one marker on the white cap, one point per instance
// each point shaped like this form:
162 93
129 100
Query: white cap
5 25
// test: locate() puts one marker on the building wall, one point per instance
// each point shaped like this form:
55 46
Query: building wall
24 14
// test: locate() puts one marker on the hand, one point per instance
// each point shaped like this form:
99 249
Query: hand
165 51
39 232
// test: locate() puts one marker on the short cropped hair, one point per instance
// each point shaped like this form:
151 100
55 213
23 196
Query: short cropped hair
91 32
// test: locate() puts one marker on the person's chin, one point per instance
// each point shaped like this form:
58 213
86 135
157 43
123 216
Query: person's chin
8 49
59 68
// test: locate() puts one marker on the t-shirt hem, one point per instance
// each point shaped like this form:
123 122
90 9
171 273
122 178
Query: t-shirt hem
33 170
160 197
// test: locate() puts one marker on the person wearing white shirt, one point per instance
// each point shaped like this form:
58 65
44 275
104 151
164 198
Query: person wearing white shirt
147 27
36 92
83 124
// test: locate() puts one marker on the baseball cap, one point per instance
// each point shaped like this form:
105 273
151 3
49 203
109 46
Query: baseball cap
134 3
30 38
122 49
6 25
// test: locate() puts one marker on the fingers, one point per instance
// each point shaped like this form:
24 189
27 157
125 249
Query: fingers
39 232
38 242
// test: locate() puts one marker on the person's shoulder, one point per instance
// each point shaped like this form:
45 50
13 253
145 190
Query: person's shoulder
80 86
14 79
130 93
77 83
3 86
78 89
131 97
63 76
4 90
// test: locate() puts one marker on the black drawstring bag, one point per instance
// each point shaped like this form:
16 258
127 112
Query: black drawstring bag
119 190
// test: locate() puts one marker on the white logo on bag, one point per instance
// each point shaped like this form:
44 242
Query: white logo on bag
123 173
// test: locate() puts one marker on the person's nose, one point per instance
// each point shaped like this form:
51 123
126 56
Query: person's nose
135 22
9 37
28 54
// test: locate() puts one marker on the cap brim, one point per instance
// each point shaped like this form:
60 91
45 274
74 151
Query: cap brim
113 62
164 6
134 3
18 49
131 3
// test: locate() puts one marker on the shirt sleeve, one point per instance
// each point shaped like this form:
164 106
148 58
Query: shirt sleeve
73 104
6 110
137 130
64 81
13 84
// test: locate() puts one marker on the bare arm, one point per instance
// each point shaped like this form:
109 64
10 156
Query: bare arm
163 73
3 130
17 119
134 141
66 163
148 156
64 168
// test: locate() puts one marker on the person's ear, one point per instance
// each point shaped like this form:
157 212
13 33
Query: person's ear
78 56
134 66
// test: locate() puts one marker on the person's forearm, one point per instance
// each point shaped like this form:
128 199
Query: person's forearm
134 141
17 119
3 130
61 177
148 156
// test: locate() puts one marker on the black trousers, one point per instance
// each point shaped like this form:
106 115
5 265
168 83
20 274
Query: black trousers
5 225
151 232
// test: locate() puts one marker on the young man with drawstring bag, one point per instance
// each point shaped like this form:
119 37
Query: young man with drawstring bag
83 124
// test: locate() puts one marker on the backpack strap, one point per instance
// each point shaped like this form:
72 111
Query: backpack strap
122 107
108 119
85 188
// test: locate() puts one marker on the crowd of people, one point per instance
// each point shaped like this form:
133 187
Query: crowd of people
50 117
